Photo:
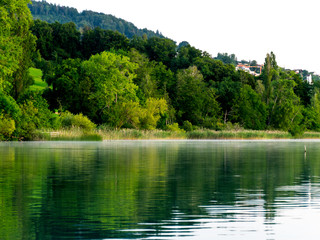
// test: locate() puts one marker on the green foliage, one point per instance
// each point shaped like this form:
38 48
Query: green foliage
7 127
69 86
227 59
112 79
27 124
190 95
39 84
270 73
44 33
151 86
16 44
186 57
35 114
43 117
152 78
250 111
9 107
297 130
161 50
215 70
228 90
302 88
284 106
124 113
151 113
187 126
86 19
99 40
68 120
175 128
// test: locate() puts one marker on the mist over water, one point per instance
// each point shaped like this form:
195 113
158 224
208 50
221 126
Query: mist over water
160 190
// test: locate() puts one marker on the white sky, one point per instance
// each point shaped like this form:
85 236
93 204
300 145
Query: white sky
248 28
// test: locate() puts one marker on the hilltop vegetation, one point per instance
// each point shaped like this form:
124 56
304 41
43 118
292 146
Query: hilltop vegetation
86 19
102 79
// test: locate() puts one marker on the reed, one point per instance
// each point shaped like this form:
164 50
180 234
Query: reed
73 134
133 134
76 134
311 135
237 134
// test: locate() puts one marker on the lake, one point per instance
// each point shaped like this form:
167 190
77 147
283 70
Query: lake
160 190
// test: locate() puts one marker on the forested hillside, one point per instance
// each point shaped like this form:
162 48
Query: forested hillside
86 19
102 79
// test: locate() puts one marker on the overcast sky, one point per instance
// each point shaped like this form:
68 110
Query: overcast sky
248 28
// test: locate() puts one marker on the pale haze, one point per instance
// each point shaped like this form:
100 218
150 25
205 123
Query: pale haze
248 28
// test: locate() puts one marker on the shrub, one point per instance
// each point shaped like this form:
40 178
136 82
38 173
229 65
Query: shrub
27 124
9 106
7 127
174 128
68 120
297 130
187 126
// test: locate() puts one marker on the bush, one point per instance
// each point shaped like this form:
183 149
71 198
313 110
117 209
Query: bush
9 106
68 120
174 128
187 126
210 123
42 116
27 124
7 127
297 130
55 121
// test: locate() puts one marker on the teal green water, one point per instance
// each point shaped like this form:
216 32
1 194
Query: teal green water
160 190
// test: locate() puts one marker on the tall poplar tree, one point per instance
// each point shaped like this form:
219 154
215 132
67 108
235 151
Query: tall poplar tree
270 73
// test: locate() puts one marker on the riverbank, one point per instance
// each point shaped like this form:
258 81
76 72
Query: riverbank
133 134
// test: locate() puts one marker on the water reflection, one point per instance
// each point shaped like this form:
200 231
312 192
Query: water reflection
159 190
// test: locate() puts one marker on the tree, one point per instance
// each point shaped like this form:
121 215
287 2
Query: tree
11 50
15 42
69 86
151 113
43 31
112 80
66 40
99 40
125 113
250 111
215 70
312 112
228 90
269 73
152 78
227 59
191 95
284 105
161 50
21 79
186 56
302 88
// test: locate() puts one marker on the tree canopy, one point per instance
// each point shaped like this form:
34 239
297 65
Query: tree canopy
98 77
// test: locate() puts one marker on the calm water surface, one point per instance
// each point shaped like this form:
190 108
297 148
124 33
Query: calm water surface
160 190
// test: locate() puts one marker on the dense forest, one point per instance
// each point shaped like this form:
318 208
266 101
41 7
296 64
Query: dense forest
102 79
86 19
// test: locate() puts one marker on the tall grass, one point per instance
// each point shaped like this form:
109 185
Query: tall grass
76 134
73 134
132 134
242 134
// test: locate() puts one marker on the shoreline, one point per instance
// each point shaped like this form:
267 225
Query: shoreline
203 134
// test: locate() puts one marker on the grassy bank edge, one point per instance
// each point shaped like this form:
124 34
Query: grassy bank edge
133 134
